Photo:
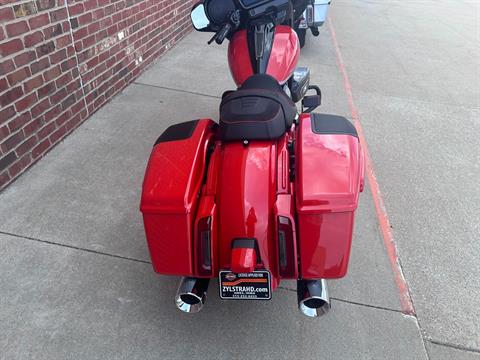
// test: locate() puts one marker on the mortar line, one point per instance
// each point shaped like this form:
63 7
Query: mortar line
177 90
453 346
74 247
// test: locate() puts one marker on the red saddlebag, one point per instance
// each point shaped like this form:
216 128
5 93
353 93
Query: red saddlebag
329 178
170 194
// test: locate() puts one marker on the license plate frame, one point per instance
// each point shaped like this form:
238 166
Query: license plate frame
256 285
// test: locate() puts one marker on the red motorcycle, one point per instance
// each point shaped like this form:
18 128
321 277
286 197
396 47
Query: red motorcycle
268 193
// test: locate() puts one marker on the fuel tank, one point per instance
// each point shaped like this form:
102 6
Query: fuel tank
282 55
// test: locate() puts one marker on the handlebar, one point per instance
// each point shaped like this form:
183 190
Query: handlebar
223 33
231 25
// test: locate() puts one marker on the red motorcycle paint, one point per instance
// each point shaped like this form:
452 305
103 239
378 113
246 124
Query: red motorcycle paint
169 199
199 194
239 58
329 179
244 260
283 57
245 197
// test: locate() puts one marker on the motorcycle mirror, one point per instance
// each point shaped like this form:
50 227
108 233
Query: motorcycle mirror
199 17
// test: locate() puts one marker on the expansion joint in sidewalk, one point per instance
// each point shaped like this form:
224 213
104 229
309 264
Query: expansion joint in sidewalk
74 247
453 346
352 302
177 90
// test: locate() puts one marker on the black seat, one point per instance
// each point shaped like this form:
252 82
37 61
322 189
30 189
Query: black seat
259 110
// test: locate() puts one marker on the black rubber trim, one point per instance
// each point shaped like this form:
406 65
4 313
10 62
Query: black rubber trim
326 124
178 132
246 243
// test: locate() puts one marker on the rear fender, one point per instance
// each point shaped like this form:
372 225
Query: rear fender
246 195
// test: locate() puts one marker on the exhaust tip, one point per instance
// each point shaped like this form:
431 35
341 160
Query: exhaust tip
189 303
313 299
191 295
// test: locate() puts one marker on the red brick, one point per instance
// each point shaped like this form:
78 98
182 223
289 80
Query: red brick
17 28
68 64
7 14
26 102
58 134
41 148
47 89
7 160
34 39
33 126
4 179
45 49
20 165
90 5
25 58
58 96
5 114
50 126
52 73
38 21
48 51
3 85
53 31
11 47
26 146
11 142
11 96
45 4
19 121
75 9
58 15
40 108
63 41
68 102
6 67
33 84
85 19
39 65
18 76
59 56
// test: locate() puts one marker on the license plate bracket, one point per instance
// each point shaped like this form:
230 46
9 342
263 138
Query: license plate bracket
245 286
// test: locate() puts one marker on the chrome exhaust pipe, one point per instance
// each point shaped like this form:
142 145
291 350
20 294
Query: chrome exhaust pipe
313 299
191 294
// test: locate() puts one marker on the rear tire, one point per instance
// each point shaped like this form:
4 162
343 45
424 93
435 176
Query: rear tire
302 35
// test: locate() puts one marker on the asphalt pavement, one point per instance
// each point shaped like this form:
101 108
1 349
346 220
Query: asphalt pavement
75 279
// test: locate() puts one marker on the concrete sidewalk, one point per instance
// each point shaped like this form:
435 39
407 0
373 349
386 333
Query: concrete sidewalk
76 282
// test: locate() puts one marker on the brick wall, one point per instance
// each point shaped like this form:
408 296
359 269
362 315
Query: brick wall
61 60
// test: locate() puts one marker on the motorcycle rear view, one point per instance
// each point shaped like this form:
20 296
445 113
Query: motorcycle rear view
269 192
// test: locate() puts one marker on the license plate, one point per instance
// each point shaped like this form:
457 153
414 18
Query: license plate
245 286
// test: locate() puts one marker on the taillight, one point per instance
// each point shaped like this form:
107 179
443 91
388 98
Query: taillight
204 246
286 248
